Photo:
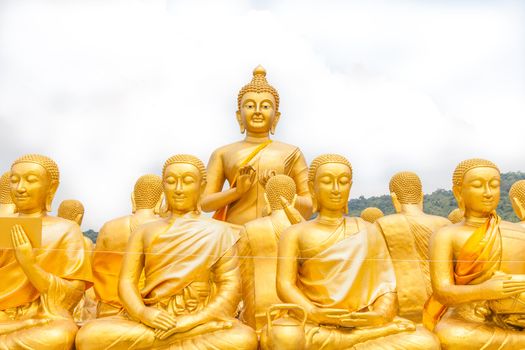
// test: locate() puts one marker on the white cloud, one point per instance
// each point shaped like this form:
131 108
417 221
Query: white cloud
111 89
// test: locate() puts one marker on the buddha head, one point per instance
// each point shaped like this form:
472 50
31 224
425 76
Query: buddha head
147 193
371 214
405 188
455 216
183 181
330 181
476 187
258 105
71 209
7 207
34 182
517 198
279 186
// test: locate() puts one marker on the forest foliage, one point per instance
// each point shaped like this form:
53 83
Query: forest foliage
441 202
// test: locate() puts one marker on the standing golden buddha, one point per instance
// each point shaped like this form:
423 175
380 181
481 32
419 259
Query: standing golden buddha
192 280
477 268
258 252
40 287
112 240
407 236
517 198
248 164
338 269
7 207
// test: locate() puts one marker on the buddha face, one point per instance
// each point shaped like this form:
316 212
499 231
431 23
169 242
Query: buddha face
257 113
480 191
183 186
31 187
332 185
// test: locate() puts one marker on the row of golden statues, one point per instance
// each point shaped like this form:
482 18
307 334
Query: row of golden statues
259 274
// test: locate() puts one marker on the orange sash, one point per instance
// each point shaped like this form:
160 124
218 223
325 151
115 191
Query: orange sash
221 213
471 263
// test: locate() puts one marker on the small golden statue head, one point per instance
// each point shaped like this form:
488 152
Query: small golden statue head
71 209
455 216
147 193
476 187
279 186
517 198
405 188
34 182
330 181
258 105
371 214
5 189
183 181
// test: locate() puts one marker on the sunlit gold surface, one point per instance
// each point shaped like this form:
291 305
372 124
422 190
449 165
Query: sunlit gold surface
455 216
248 164
517 198
113 238
258 253
477 260
371 214
407 235
338 269
7 207
192 281
40 288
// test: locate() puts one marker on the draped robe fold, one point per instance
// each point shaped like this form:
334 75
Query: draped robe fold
63 255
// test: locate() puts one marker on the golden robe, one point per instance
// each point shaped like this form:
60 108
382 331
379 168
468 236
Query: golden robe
107 260
470 325
351 273
277 156
47 319
188 271
407 238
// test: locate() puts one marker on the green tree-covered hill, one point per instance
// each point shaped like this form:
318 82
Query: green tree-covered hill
441 202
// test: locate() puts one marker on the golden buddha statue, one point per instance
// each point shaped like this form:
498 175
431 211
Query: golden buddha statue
72 209
248 164
42 286
7 207
371 214
113 237
455 216
338 269
477 268
258 251
192 280
407 236
517 198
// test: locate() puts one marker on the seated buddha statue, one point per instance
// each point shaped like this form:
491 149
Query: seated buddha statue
258 251
338 269
455 216
40 287
371 214
517 198
7 207
192 281
248 164
72 209
407 235
113 237
477 268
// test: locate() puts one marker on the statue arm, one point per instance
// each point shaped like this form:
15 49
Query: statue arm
442 275
247 276
132 266
214 198
287 269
